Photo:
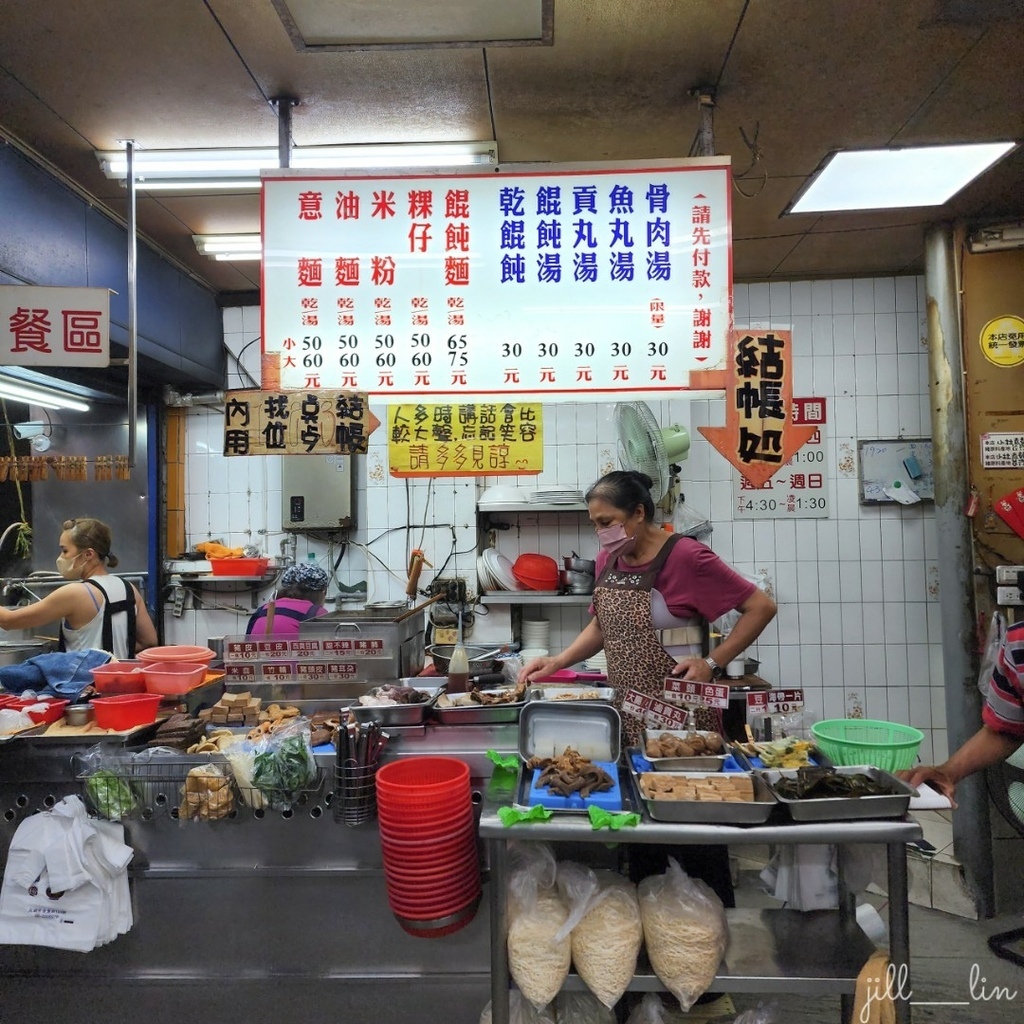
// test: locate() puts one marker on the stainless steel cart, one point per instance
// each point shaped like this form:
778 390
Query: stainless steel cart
808 953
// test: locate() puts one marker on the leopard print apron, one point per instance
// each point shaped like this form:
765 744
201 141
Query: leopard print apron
636 658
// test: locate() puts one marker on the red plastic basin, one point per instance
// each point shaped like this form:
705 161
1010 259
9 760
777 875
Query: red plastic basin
119 677
173 677
126 710
54 709
177 652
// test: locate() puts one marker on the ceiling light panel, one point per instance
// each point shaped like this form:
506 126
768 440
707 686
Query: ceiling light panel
887 179
325 25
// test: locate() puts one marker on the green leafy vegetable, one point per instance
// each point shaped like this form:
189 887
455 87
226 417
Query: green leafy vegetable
281 772
110 794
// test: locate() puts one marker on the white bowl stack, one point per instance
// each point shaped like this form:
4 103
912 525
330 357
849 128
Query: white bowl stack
536 633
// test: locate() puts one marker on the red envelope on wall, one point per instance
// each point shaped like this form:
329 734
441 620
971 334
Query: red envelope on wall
1007 508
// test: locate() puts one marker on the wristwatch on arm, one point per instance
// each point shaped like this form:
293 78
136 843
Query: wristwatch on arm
716 670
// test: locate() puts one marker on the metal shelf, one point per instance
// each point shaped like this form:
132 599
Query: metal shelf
524 597
523 506
811 952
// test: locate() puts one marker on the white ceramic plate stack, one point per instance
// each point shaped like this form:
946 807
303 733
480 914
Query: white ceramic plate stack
557 496
499 569
597 663
536 633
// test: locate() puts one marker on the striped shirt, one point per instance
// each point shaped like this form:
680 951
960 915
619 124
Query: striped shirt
1004 707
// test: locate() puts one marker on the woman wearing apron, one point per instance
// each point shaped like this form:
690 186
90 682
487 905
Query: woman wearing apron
653 589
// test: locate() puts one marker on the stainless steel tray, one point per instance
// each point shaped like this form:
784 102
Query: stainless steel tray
755 812
561 694
701 763
592 729
478 714
395 714
893 804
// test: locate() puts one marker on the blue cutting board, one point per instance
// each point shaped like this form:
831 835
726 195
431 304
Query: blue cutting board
609 800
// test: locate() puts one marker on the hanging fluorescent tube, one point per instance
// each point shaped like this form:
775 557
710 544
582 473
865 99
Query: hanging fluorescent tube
229 247
39 396
210 167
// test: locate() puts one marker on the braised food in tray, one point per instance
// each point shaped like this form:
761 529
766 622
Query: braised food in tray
682 744
821 783
389 696
571 773
483 698
731 788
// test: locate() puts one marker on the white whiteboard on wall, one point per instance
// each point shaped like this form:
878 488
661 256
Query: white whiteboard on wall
886 465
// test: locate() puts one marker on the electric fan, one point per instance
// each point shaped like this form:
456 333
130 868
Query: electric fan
1005 783
647 448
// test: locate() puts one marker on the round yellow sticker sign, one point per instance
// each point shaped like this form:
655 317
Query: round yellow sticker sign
1002 341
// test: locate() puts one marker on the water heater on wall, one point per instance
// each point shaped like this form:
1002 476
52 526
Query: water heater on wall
316 492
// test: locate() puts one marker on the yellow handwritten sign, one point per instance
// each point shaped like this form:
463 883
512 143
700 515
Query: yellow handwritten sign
297 422
465 439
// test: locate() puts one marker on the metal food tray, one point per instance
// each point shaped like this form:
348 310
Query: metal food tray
395 714
561 694
842 808
627 787
702 763
479 714
724 812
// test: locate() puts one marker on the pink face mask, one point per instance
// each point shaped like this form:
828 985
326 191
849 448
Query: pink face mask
615 540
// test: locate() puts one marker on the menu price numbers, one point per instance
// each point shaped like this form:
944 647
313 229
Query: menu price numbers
681 691
775 702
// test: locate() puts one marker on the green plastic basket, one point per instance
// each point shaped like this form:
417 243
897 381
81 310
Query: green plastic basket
855 741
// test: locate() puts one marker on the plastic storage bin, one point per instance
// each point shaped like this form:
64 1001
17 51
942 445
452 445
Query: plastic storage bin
239 566
173 677
126 710
855 741
119 677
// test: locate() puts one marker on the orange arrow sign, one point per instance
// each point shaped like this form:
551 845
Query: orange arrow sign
759 436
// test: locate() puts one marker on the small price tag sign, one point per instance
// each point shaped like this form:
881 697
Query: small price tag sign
774 702
655 713
682 691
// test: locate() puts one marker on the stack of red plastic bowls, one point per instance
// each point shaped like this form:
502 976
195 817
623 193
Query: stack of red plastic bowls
428 839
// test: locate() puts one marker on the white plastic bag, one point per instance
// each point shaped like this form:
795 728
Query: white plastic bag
520 1011
685 931
537 960
604 928
994 640
650 1010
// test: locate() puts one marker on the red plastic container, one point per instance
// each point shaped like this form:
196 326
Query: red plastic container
119 677
538 572
126 710
177 652
432 780
54 709
239 566
170 678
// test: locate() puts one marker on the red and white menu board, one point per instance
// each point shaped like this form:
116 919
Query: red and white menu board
567 283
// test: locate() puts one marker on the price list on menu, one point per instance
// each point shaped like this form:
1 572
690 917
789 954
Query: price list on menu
576 282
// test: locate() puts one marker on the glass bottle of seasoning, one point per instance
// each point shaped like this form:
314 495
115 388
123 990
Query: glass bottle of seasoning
458 670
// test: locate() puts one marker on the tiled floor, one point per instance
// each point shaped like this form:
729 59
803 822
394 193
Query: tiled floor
955 978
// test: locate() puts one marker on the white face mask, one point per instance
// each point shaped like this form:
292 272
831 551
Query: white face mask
66 566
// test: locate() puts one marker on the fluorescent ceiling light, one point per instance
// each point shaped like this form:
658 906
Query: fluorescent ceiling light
196 185
239 168
229 248
887 179
43 397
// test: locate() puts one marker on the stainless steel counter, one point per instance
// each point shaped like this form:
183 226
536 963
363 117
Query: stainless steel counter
812 953
283 917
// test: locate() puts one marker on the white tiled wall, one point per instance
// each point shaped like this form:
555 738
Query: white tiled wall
857 593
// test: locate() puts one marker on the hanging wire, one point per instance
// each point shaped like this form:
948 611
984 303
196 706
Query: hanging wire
756 158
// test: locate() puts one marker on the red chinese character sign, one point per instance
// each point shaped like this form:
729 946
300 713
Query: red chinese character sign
297 423
577 284
54 326
760 434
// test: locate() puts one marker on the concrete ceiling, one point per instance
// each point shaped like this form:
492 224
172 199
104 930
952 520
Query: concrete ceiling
802 77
